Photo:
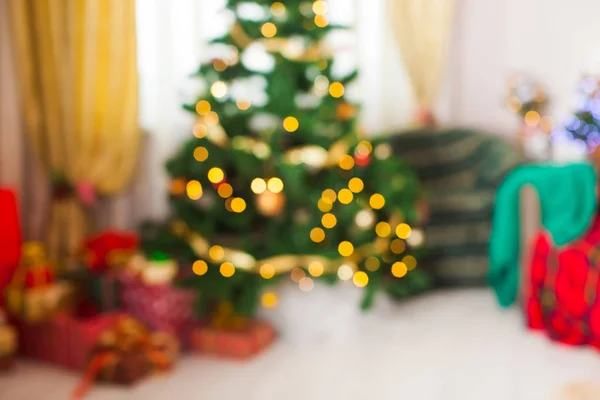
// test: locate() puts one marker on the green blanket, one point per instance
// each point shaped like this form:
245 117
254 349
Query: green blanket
568 203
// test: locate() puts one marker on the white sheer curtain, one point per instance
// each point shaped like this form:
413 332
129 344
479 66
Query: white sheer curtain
172 38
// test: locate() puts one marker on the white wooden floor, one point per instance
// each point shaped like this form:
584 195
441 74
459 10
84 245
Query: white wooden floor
444 346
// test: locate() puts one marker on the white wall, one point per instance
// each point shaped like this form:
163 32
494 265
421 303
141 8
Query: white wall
554 41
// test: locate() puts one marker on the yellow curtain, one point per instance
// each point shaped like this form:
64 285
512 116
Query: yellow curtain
77 63
422 28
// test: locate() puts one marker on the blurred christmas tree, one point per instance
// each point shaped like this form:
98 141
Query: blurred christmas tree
275 181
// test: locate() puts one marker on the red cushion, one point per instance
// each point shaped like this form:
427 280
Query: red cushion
10 237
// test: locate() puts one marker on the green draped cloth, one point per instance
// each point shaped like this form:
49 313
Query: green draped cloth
568 203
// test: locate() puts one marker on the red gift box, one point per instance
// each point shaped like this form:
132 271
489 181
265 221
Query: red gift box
164 308
10 238
561 297
106 249
65 340
241 344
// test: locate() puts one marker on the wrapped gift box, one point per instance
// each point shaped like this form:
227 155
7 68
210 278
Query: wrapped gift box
241 344
65 340
164 308
561 293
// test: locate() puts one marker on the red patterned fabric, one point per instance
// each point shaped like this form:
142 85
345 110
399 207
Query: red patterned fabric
163 308
562 296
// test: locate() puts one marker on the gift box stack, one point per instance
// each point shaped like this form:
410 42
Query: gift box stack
60 319
65 340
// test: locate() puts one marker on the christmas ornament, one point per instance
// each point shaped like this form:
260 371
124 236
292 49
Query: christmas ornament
270 204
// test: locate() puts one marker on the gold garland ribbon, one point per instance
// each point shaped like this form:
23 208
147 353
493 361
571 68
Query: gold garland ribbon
313 53
315 156
280 264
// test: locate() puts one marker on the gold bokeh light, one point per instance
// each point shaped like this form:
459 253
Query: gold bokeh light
372 264
203 107
227 269
268 300
243 105
216 175
268 30
410 261
356 185
278 9
383 229
291 124
399 269
346 249
225 190
360 279
267 271
317 235
321 21
329 221
216 253
275 185
336 89
532 118
345 196
194 190
238 205
200 153
219 65
346 162
377 201
329 196
403 231
200 267
325 206
316 269
397 246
